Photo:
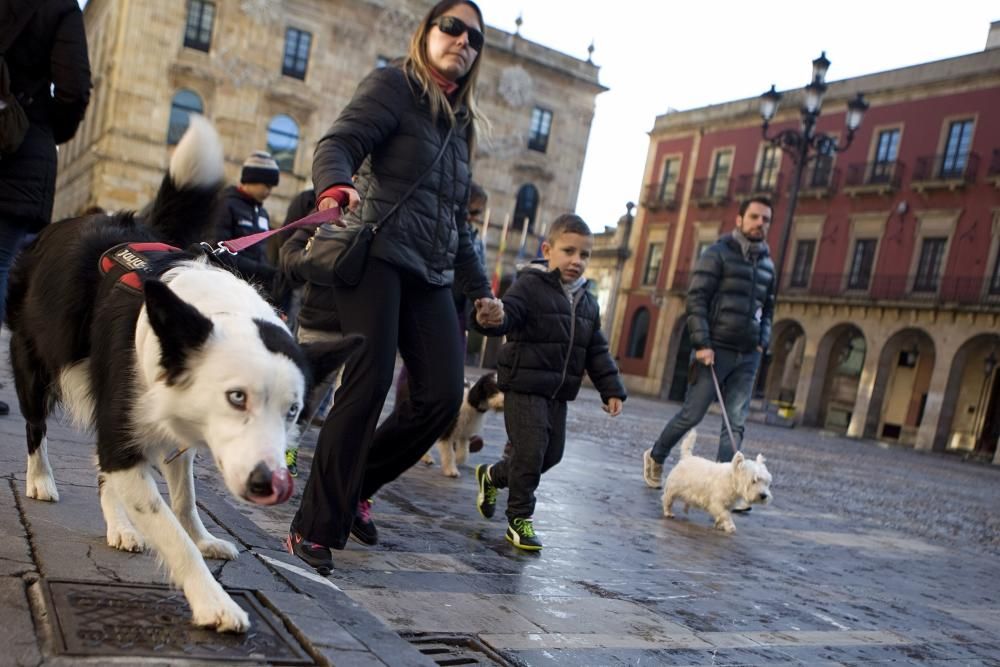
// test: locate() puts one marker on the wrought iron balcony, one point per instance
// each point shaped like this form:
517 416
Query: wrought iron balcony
944 171
820 180
710 191
758 184
657 197
880 175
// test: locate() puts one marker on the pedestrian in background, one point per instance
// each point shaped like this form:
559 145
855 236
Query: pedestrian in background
553 329
242 213
730 306
43 48
407 135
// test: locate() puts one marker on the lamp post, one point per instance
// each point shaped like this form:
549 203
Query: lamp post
806 144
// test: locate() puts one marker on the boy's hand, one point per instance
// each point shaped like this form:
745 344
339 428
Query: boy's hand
489 312
613 407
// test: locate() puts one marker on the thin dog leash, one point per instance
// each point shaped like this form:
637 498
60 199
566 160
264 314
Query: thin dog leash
725 415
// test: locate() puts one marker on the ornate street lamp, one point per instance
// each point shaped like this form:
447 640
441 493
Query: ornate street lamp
805 144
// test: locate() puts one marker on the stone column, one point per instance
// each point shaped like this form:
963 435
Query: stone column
935 400
866 385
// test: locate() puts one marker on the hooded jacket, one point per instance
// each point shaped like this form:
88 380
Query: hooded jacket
553 337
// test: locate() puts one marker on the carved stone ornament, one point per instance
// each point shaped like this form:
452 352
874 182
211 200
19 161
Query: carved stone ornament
516 87
262 11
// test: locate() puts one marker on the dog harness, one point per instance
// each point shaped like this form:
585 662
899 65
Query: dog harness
128 264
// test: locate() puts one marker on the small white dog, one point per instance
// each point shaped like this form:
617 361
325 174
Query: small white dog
453 445
715 487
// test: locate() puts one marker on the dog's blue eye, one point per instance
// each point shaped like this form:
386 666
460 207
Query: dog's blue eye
237 399
293 412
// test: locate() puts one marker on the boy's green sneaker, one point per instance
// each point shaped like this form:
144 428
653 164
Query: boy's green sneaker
292 461
486 501
521 533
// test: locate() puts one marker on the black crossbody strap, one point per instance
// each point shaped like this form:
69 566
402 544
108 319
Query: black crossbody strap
416 183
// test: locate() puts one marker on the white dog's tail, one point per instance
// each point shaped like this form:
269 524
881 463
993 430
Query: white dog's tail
182 211
687 445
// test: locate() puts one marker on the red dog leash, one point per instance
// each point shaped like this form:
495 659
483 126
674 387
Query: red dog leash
233 246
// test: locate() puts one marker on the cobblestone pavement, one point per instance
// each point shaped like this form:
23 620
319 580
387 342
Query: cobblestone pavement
868 554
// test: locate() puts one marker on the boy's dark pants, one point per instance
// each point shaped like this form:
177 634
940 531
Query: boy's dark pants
536 426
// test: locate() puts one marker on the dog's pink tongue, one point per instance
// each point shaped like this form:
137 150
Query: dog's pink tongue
282 486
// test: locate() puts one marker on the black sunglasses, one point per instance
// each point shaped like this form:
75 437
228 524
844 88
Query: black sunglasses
453 26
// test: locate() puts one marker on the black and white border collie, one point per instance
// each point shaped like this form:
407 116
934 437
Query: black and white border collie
193 358
453 445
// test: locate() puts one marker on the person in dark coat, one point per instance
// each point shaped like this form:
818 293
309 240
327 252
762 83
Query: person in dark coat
50 77
242 213
730 306
378 158
553 328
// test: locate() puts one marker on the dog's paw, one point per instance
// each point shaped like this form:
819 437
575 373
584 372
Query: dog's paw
42 487
451 471
224 615
125 539
726 526
427 460
213 547
668 513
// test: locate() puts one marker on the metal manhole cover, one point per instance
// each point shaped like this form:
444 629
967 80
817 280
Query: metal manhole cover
105 619
456 649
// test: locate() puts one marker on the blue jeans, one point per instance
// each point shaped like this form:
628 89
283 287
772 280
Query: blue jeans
10 243
736 372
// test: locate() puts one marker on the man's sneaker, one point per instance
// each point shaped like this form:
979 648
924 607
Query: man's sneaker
521 533
315 555
363 528
486 501
292 461
652 472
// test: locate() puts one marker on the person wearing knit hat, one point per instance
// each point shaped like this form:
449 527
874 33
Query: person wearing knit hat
241 213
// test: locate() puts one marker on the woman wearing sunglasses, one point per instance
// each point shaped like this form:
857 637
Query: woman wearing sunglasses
398 158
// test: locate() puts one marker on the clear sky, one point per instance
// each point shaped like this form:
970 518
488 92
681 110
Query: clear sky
660 54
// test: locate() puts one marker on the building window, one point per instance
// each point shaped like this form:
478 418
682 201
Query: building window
861 264
668 181
956 151
767 174
185 103
541 123
886 152
823 167
654 259
296 60
929 267
526 207
718 185
804 251
638 334
995 279
198 32
283 141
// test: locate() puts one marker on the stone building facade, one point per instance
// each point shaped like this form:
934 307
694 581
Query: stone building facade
274 75
888 323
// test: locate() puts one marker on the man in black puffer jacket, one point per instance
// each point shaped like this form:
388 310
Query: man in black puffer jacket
50 77
730 306
553 328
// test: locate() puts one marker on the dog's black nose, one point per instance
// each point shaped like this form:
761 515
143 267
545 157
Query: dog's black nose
259 483
764 496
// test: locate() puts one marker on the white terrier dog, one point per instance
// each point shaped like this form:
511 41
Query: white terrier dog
715 487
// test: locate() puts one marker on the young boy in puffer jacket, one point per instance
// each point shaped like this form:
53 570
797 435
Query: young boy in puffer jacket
553 329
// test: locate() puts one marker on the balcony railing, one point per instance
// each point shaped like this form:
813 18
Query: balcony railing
758 184
881 174
946 169
655 198
710 191
942 290
820 180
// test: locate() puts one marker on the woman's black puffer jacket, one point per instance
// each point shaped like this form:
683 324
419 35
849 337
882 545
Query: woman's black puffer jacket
383 140
552 341
730 301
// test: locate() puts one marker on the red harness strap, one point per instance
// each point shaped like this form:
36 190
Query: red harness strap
127 264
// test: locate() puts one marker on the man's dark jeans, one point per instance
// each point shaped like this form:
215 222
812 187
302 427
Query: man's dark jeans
736 372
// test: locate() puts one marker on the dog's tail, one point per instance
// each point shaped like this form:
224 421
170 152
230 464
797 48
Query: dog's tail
687 446
183 212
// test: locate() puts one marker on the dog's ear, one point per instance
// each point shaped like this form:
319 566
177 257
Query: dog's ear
325 358
738 460
478 395
178 325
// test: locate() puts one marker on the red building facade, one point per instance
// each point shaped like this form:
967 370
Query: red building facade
888 320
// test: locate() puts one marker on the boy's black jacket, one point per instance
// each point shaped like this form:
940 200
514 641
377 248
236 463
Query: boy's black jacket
551 342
